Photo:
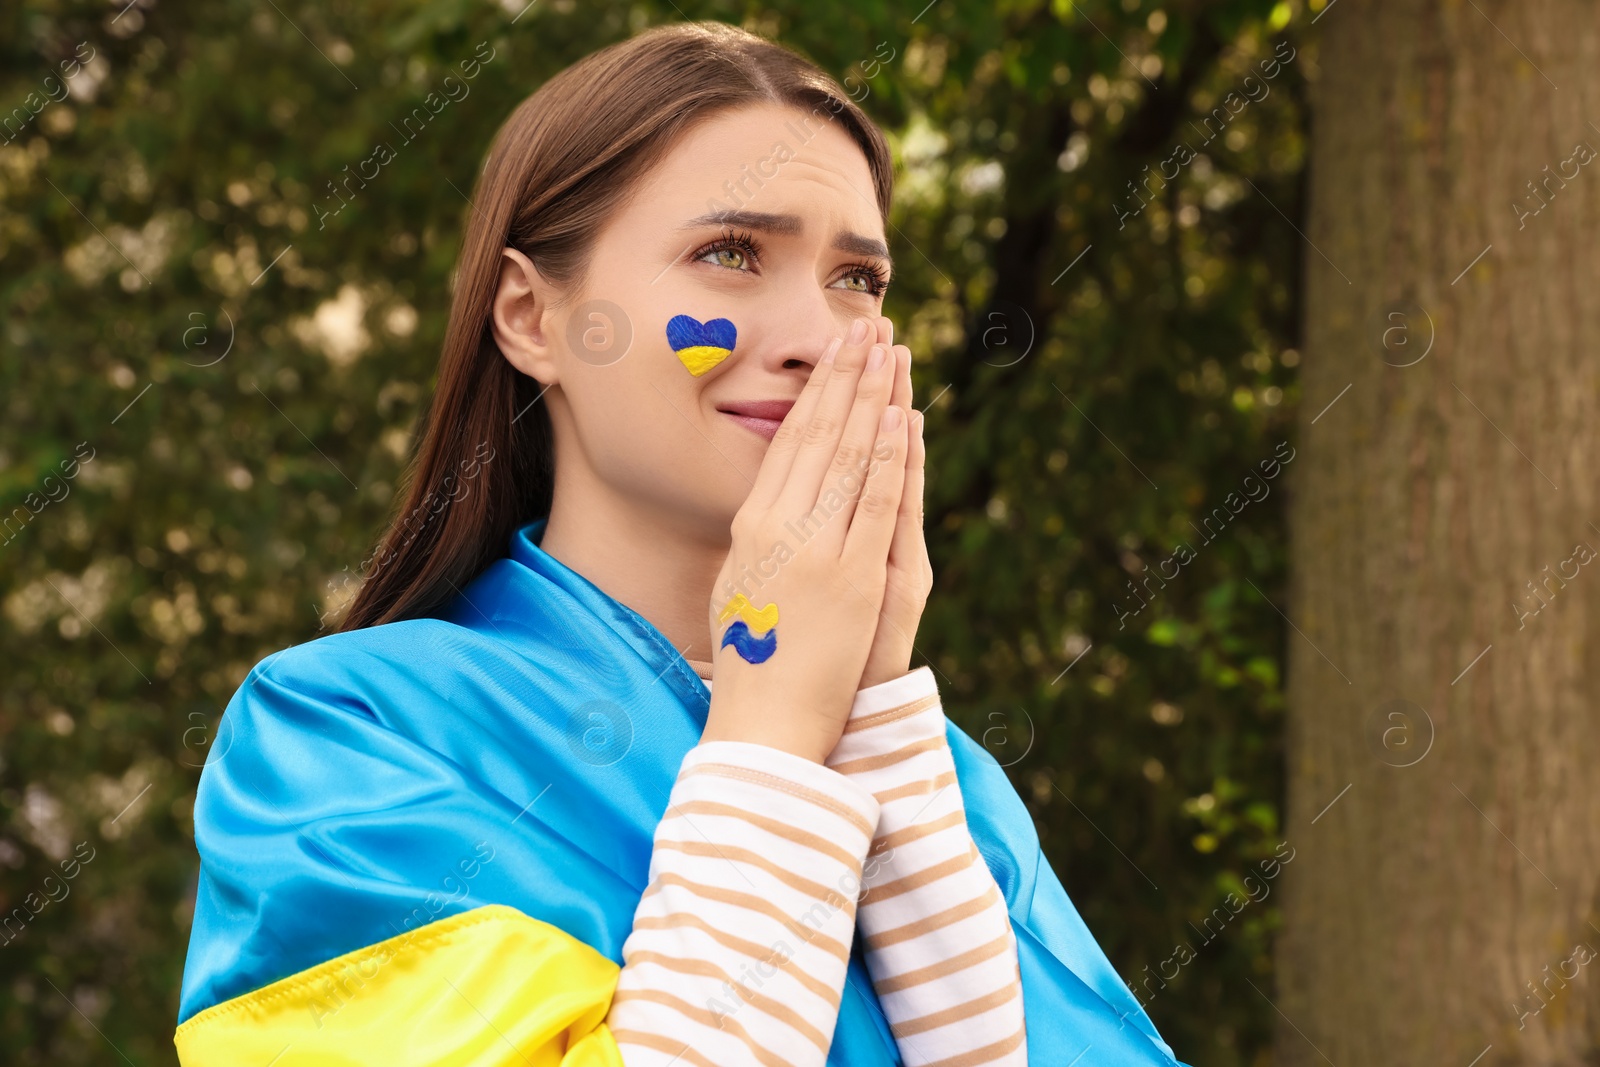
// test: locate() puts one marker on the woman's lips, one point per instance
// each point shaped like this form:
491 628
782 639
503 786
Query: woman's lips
759 416
767 428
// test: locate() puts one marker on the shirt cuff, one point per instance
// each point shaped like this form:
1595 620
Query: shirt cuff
741 941
938 939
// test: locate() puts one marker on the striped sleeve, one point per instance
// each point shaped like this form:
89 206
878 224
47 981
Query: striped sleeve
742 938
938 939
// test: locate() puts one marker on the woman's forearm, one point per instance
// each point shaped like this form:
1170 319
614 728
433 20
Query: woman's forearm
938 939
741 941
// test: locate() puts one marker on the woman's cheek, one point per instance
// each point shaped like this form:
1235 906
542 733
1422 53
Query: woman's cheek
701 346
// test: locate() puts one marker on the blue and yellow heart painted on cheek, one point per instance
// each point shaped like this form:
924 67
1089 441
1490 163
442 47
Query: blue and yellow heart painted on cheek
701 345
754 634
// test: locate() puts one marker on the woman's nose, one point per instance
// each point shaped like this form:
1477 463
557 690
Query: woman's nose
800 329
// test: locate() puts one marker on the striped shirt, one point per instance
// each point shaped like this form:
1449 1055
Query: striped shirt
764 865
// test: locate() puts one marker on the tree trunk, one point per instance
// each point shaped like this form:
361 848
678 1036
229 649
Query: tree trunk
1444 801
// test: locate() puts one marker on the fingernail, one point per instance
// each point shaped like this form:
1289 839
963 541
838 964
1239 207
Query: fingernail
875 358
891 418
858 331
832 349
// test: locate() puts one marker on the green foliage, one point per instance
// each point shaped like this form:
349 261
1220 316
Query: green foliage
1099 385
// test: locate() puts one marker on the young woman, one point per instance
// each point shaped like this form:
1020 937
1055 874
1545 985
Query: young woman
505 816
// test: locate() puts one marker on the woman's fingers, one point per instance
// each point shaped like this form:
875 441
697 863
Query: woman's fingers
779 459
908 547
858 449
849 470
852 385
902 376
825 395
872 525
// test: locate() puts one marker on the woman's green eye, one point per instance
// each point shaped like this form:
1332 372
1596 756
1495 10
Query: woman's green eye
731 258
857 283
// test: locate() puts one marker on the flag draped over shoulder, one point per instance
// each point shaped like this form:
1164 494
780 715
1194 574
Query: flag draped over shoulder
425 841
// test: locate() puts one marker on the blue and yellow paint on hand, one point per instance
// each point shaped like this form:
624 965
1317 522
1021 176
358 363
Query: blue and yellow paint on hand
700 346
754 633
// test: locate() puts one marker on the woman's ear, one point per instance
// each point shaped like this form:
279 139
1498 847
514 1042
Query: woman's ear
517 316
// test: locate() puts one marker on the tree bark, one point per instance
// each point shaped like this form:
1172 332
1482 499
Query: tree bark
1441 902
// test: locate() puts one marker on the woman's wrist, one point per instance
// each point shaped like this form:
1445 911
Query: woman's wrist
769 735
774 725
792 733
885 664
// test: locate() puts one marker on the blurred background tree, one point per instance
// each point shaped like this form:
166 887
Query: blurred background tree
210 385
1443 736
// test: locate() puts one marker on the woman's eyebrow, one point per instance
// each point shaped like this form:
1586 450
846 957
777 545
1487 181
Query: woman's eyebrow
784 225
861 246
789 226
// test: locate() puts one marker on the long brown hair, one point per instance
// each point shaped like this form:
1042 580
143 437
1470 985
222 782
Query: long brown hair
558 168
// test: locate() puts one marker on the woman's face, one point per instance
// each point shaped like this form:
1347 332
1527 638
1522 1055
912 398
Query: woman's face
764 217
